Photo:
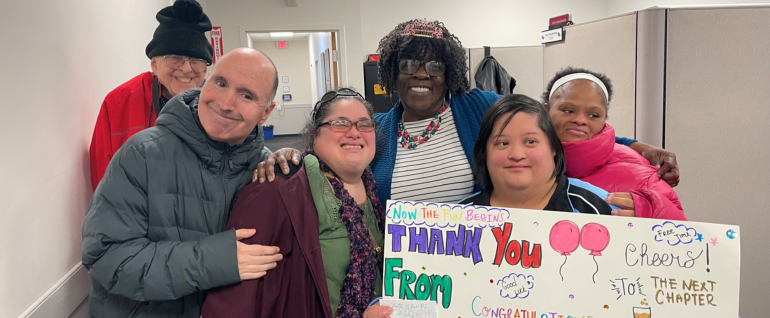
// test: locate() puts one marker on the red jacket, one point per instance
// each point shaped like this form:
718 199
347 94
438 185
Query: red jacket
284 215
616 168
125 111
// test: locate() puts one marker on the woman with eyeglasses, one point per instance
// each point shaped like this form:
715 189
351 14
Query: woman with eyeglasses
326 219
521 164
425 142
179 57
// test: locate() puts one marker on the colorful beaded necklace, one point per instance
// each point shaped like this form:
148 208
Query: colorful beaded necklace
411 142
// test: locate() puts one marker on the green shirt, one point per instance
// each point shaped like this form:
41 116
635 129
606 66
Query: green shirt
335 244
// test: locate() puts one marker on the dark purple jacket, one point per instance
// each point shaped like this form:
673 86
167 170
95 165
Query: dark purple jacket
284 215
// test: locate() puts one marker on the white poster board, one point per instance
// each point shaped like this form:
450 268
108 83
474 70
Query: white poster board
493 262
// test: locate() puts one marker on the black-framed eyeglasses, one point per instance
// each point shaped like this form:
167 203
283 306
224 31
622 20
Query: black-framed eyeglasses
177 62
344 124
409 67
331 95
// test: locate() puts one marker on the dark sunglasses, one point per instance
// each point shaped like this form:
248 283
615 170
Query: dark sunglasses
409 67
332 95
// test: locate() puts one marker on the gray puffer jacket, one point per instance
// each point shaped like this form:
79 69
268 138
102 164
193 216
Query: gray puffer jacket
152 238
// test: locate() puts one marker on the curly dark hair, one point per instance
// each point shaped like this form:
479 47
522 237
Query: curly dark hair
448 50
572 70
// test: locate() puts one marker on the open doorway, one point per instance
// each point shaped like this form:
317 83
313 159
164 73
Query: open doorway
325 62
308 66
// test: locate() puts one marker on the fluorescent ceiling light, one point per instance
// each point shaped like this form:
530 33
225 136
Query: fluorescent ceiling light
281 34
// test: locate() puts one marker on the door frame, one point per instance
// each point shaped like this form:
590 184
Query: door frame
343 77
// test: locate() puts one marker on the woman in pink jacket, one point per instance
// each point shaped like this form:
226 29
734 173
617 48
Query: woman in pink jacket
578 101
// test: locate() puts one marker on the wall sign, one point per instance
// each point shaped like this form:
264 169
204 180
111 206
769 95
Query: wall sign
560 21
216 42
554 35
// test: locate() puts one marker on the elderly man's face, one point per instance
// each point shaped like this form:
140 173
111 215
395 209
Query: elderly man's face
175 80
235 99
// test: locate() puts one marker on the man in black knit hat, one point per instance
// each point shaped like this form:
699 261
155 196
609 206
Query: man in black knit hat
180 54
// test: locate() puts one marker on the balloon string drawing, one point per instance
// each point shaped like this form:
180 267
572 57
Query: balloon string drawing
562 266
565 238
595 238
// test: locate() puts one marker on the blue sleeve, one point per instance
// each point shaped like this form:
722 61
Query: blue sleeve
624 141
374 301
379 116
592 188
490 97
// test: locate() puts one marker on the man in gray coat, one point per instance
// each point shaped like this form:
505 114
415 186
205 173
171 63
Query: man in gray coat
153 237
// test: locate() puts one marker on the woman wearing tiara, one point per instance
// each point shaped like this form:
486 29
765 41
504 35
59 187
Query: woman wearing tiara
425 143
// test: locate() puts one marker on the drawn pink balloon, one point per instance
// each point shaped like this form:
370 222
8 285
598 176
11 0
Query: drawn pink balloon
594 237
565 237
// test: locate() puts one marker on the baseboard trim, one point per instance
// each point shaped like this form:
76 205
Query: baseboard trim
286 135
63 297
297 106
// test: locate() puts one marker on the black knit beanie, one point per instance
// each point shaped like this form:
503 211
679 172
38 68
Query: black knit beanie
182 32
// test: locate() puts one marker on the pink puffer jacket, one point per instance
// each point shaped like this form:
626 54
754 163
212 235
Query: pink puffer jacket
616 168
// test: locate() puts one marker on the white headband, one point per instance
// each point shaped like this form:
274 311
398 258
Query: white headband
575 76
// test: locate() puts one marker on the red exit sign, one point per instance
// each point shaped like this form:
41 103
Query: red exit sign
562 19
280 44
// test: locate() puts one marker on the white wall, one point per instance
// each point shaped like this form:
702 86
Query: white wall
476 23
624 6
61 58
292 62
310 15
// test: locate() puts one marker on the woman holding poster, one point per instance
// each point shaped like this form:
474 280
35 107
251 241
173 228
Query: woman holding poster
326 219
521 164
578 102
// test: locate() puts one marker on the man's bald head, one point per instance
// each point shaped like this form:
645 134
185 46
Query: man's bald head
238 95
246 52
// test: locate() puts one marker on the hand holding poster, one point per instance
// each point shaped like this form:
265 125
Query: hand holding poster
410 308
493 262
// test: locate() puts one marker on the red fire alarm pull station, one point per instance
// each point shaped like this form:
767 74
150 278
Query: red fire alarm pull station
280 44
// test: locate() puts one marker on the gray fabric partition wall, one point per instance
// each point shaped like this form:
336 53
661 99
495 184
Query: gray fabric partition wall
718 124
523 63
695 80
607 46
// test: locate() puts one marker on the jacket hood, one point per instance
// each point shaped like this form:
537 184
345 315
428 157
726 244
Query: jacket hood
584 157
180 116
